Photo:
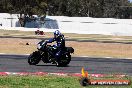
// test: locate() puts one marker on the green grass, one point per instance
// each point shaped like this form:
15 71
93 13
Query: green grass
38 82
46 82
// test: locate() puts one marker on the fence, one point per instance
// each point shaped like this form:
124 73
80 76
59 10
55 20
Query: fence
81 25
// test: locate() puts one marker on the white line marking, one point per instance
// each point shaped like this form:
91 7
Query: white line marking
12 54
74 56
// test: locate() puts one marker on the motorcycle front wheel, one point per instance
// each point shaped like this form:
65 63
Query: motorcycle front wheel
34 58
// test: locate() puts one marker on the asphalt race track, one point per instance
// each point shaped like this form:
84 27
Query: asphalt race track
18 63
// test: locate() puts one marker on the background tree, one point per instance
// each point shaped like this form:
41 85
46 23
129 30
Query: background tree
92 8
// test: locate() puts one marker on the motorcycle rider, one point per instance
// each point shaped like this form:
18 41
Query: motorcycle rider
60 43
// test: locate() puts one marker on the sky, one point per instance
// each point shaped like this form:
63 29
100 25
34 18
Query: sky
130 0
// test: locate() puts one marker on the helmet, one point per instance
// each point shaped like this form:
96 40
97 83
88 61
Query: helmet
57 32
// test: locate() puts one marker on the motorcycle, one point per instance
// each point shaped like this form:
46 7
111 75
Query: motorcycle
46 53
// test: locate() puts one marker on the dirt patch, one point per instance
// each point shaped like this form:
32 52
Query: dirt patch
18 46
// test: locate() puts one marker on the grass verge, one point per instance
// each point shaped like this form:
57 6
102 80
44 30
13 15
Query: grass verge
47 82
69 36
14 42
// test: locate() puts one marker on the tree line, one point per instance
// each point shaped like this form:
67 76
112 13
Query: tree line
87 8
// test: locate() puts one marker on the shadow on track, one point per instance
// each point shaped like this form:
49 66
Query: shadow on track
45 65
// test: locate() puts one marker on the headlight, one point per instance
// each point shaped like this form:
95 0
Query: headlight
38 46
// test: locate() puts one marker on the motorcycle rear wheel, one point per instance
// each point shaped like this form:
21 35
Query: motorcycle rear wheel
60 63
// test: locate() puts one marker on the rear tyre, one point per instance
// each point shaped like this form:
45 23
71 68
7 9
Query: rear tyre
64 61
34 58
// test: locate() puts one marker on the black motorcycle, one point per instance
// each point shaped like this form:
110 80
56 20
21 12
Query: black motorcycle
46 53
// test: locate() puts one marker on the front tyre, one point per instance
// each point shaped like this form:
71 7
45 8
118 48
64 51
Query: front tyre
34 58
